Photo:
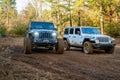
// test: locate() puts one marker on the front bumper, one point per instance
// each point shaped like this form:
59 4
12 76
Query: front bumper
103 46
44 42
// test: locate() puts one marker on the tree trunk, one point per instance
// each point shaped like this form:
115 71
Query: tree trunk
79 18
70 19
70 14
101 19
7 17
102 24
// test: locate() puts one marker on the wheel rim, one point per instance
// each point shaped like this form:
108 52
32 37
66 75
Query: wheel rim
86 48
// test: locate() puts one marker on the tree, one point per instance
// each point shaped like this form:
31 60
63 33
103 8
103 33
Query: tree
8 12
63 13
78 8
37 4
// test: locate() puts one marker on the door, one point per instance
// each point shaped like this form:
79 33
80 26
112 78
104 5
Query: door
77 38
71 34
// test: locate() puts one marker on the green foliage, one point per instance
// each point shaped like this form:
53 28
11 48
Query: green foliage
3 31
113 29
7 2
118 9
18 30
8 13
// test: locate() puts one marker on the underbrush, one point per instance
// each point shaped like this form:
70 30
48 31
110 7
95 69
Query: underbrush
18 30
113 29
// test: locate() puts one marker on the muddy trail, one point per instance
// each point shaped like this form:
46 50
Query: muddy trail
44 64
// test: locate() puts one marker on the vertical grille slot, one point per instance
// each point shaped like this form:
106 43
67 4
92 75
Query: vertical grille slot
103 39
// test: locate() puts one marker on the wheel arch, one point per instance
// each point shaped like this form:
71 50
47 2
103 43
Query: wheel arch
66 40
86 39
28 35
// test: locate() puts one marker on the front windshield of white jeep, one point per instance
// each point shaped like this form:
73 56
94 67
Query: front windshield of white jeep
42 25
90 31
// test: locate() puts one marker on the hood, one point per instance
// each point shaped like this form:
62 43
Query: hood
95 35
41 30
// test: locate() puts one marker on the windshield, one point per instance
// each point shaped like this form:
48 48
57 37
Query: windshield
42 25
90 31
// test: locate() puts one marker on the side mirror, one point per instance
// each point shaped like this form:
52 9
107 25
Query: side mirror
26 28
56 29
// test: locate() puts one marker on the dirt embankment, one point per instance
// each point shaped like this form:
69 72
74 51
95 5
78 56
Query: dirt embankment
46 65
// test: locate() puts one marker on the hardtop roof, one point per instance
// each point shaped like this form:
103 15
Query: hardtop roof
81 27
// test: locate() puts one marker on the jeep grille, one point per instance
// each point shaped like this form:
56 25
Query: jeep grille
45 35
103 39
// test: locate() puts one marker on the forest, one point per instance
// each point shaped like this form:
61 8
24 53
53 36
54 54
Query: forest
24 56
104 14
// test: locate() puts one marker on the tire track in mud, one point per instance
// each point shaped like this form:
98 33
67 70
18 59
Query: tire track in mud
49 66
50 62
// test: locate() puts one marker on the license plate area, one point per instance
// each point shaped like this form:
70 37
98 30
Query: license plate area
45 41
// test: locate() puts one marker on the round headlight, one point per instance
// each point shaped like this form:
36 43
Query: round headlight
36 34
112 39
54 34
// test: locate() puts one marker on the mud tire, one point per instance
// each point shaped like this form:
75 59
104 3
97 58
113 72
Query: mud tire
66 45
110 50
87 47
27 46
59 47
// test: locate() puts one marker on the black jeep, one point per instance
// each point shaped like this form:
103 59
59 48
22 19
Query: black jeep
42 34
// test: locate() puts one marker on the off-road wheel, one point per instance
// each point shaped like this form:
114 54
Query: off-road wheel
60 46
110 50
66 45
27 46
87 47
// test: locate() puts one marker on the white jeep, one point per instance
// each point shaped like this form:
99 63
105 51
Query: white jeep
87 38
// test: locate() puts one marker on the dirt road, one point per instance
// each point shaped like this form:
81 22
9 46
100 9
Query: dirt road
46 65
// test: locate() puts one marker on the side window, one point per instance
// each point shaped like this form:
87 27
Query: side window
71 31
77 31
66 31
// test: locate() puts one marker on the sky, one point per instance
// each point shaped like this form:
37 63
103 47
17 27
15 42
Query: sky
21 4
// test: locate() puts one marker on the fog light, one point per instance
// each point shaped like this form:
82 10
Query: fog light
97 41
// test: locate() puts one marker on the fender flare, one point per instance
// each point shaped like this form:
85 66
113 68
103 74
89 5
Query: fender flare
67 40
